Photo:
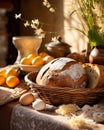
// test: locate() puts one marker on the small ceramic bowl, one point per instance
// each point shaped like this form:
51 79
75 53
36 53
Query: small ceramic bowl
29 68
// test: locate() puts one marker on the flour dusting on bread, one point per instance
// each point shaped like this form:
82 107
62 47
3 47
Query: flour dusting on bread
60 63
62 72
75 72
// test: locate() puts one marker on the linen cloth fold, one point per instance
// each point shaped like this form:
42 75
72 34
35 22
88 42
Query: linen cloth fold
26 118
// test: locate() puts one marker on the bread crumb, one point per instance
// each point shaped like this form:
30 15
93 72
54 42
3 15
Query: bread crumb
80 122
67 110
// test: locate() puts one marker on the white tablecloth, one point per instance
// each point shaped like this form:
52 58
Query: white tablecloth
25 118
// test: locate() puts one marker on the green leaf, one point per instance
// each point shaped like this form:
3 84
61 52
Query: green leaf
94 38
72 13
90 20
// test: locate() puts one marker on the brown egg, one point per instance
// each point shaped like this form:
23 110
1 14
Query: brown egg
26 99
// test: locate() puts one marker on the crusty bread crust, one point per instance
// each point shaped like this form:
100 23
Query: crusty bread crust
62 72
95 74
77 57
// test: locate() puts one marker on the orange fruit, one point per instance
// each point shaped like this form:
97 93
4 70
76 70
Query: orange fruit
2 79
38 61
11 71
43 54
25 61
3 72
12 81
32 56
47 59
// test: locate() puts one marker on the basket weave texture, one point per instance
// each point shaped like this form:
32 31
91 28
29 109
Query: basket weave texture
64 95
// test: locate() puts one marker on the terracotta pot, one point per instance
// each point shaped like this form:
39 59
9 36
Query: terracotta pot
97 55
26 45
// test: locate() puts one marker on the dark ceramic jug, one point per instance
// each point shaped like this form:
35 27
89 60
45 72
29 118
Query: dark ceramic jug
97 55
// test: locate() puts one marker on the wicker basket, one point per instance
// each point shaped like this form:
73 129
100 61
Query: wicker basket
58 95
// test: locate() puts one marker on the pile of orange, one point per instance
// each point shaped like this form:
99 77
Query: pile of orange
9 77
36 59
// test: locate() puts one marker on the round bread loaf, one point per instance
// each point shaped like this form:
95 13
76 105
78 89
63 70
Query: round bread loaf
62 72
78 57
95 74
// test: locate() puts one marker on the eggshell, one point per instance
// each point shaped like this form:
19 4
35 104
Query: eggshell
38 104
35 95
26 99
